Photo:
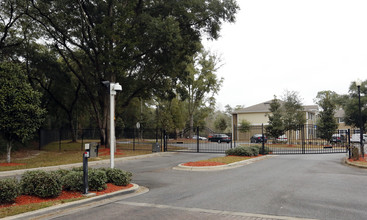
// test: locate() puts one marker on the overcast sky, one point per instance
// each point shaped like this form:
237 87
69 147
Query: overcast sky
297 45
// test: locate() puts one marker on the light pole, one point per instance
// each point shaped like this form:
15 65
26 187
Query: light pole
358 84
112 87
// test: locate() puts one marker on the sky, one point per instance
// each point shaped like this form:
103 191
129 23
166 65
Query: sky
305 46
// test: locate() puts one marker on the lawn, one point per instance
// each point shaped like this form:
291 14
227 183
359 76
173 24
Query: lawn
70 152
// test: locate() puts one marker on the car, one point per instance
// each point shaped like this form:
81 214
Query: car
258 138
356 138
282 138
337 138
219 138
200 138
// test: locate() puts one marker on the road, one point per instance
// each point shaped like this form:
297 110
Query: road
281 187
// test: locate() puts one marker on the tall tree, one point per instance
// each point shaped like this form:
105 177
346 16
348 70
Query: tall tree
293 115
20 112
199 87
144 45
326 124
276 126
10 35
351 106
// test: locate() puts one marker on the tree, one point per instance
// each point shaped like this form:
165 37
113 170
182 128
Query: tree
20 112
220 124
10 14
144 45
276 126
326 124
201 82
293 115
351 106
244 126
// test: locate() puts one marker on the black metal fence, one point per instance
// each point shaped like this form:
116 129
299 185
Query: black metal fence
126 139
303 140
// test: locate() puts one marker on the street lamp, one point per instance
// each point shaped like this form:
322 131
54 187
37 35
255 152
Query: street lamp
112 88
358 84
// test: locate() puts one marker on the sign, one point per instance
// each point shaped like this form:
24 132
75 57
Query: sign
137 125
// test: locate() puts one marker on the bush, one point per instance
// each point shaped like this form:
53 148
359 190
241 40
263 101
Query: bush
97 180
255 150
355 153
118 177
9 190
41 183
73 181
61 173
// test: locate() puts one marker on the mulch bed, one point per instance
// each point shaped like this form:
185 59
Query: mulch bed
11 164
107 152
361 159
26 199
203 164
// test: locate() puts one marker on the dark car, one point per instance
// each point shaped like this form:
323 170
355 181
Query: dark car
258 138
338 138
220 138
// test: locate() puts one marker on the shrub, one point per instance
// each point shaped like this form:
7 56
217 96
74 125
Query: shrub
118 177
78 168
355 153
73 181
97 180
41 183
9 190
239 151
255 150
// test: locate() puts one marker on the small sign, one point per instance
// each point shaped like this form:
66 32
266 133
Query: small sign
137 125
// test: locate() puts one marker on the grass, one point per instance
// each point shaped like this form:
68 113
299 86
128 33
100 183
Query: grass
15 210
70 153
226 160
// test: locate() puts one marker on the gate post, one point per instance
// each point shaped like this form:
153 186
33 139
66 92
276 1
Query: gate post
263 139
303 138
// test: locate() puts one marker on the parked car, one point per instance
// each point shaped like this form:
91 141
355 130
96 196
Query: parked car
219 138
258 138
356 138
338 138
282 138
200 138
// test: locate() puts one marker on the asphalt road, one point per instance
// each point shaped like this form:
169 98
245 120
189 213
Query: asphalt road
281 187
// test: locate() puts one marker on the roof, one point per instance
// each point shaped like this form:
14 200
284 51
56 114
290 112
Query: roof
265 106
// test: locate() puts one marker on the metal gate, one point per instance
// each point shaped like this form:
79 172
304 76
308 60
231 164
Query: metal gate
300 141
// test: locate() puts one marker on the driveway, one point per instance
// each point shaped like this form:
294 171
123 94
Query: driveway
281 187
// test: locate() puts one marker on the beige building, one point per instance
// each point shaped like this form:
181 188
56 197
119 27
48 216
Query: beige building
258 115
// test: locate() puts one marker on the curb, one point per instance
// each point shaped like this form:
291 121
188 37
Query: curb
353 164
58 208
221 167
90 163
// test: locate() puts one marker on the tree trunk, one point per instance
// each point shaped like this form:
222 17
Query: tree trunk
191 125
8 149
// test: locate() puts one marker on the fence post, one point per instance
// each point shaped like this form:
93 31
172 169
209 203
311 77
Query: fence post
303 138
197 139
60 139
81 147
165 140
349 151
